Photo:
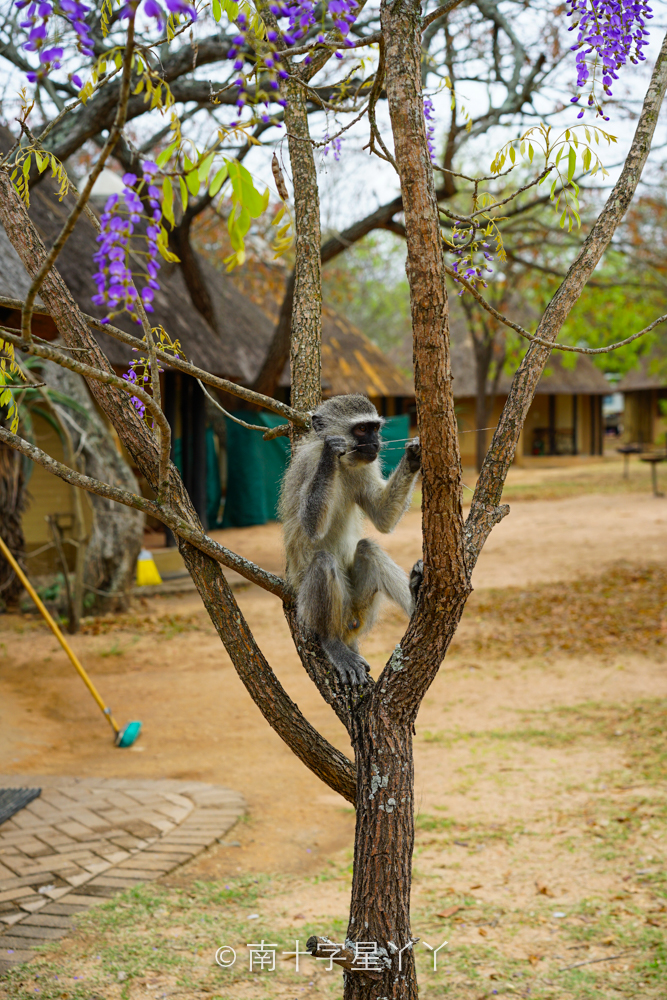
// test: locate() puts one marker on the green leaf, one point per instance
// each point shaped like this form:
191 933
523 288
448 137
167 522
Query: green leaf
572 164
168 200
587 159
512 154
192 181
218 180
26 166
204 168
166 154
563 217
42 161
217 10
184 193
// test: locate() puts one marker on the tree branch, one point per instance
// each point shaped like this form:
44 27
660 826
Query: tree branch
281 713
249 395
503 446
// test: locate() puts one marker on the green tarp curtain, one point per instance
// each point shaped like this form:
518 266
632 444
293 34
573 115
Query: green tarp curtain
255 467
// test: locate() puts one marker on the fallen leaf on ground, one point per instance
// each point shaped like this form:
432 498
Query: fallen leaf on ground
543 890
534 959
449 912
479 886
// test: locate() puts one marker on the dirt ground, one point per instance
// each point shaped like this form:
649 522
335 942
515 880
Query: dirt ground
540 783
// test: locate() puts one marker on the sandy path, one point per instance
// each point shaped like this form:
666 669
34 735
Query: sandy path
537 542
200 723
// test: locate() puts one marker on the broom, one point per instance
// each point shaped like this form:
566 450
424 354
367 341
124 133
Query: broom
123 737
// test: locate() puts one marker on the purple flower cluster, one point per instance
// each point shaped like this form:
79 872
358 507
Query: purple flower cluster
153 9
271 62
115 282
334 144
36 23
615 30
131 376
465 265
301 17
430 127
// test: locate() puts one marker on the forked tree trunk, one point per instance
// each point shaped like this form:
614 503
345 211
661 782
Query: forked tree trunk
381 718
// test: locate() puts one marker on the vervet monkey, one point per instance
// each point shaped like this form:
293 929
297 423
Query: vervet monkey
332 481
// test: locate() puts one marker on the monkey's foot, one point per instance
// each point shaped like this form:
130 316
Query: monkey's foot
416 579
350 666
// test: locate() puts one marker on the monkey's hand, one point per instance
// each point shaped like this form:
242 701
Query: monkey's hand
336 443
413 454
416 579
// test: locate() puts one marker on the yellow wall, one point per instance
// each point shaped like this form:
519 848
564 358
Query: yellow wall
536 419
643 422
47 495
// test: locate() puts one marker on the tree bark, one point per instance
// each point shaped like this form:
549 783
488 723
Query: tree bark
306 327
383 846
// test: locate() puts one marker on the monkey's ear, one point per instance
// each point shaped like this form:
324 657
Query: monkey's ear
317 422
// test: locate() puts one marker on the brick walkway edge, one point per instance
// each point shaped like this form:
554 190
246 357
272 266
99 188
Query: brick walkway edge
85 839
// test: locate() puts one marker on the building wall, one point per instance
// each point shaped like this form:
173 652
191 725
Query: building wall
47 495
643 420
584 426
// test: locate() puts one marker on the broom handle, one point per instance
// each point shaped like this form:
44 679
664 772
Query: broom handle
58 634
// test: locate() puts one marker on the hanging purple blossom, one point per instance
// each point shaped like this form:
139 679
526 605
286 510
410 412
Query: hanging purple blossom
301 18
429 115
36 23
116 287
153 9
468 264
334 144
615 30
131 376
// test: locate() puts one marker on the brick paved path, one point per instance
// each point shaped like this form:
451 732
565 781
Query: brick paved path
84 839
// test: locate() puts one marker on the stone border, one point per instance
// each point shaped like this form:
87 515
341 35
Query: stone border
86 839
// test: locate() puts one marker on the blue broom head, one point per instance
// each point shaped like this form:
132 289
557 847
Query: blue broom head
128 734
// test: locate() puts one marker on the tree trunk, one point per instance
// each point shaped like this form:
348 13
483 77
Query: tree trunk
12 505
383 845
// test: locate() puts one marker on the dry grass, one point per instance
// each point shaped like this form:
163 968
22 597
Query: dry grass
625 608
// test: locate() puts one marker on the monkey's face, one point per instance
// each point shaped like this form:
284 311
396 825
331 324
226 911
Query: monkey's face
366 438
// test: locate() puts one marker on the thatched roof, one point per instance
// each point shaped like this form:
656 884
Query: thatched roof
584 378
650 373
351 363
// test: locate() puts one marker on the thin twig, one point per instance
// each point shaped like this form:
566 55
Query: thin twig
435 15
250 427
592 961
538 340
297 417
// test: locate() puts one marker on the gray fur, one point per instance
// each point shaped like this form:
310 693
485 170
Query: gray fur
339 576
